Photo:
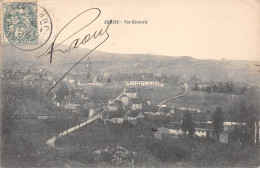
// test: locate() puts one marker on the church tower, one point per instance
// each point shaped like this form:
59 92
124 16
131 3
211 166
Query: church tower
89 68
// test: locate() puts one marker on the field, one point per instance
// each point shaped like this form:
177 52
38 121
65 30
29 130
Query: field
158 94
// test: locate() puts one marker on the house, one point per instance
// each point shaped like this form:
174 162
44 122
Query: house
80 93
204 85
161 105
151 110
191 109
162 131
91 104
116 117
125 99
131 93
233 123
112 107
135 103
201 132
104 116
71 107
110 101
91 112
224 137
113 116
228 128
53 101
165 111
119 104
176 132
148 101
158 110
133 116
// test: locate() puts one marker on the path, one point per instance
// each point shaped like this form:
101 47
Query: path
186 86
176 96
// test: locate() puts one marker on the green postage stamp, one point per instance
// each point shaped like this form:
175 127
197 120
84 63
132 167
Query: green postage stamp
19 23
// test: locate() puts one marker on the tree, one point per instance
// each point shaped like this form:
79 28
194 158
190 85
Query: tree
243 90
231 87
253 97
12 96
215 88
250 120
242 112
108 80
187 124
72 93
208 89
62 92
196 87
217 122
227 88
239 134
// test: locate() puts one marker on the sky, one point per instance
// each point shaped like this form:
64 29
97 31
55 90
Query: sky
204 29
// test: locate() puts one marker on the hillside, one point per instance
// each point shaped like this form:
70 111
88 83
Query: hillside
185 66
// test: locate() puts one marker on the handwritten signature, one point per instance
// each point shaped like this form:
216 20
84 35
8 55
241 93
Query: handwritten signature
76 42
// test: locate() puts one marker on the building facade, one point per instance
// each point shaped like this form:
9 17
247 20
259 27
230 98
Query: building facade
144 82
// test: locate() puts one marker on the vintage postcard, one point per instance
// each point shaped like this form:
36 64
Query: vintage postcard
130 84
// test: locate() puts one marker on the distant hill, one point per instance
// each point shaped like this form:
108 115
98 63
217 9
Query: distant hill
185 66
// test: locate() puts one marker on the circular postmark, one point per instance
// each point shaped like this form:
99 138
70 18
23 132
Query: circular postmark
26 25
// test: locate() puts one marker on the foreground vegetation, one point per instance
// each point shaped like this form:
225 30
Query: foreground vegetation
151 152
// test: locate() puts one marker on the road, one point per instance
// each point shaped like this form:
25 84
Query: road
176 96
186 86
51 141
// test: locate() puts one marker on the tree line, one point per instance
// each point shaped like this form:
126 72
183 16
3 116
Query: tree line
226 88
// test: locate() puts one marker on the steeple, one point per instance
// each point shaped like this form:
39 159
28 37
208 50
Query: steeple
89 68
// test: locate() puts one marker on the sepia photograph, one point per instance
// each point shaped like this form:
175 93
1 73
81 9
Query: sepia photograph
129 84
